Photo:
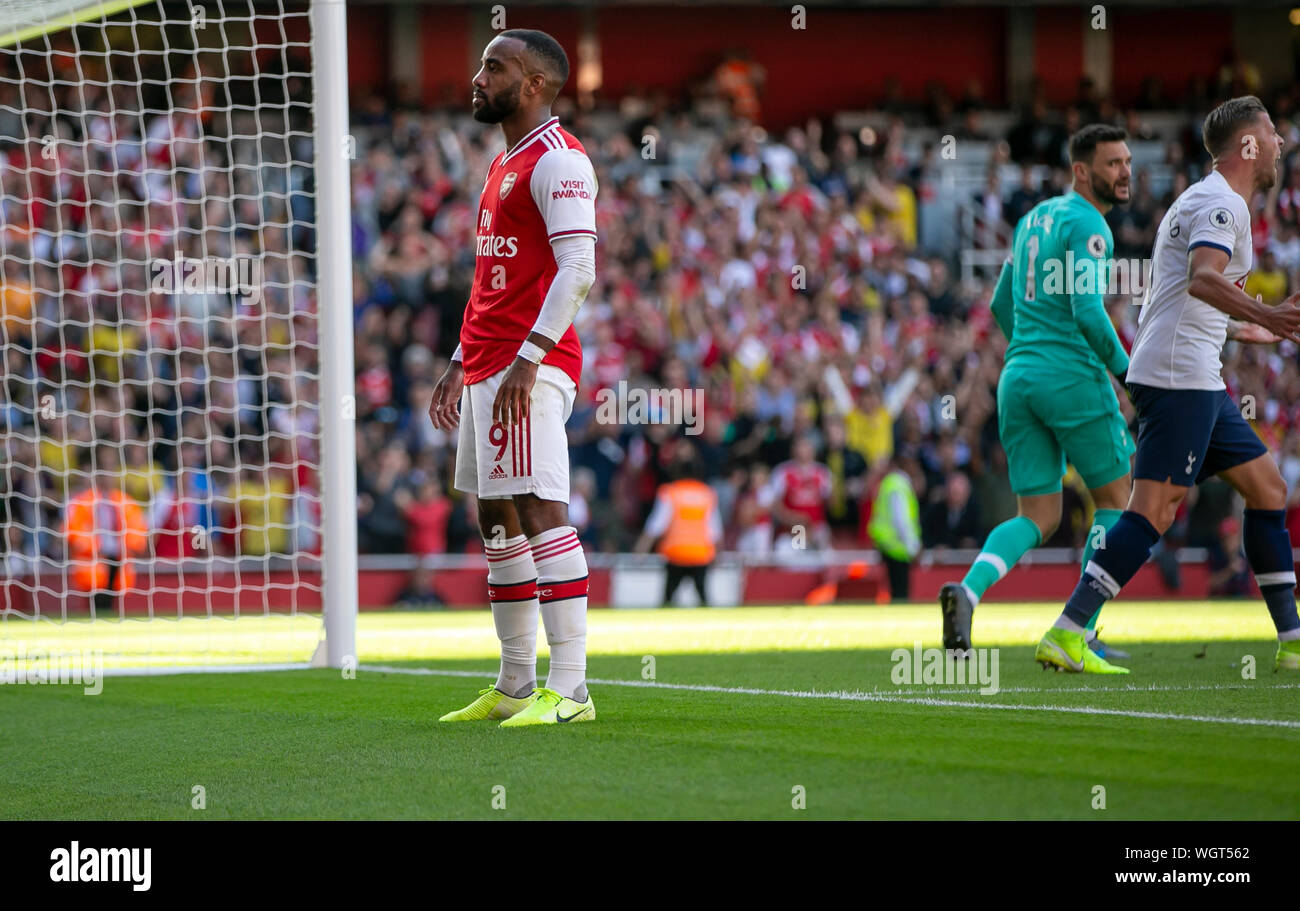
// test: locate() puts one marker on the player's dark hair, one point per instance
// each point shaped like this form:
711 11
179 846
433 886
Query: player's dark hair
1222 124
546 49
1083 144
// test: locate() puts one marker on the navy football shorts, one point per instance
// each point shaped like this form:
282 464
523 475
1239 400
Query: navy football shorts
1188 435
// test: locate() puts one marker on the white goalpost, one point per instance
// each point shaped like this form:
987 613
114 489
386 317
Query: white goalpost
177 458
334 152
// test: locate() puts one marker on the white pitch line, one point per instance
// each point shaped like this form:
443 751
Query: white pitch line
1083 688
893 698
201 669
1120 688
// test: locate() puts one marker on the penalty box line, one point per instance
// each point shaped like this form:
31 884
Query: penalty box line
887 697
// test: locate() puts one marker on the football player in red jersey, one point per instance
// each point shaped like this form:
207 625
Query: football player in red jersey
515 375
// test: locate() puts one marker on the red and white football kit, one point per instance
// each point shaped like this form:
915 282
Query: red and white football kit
804 490
539 192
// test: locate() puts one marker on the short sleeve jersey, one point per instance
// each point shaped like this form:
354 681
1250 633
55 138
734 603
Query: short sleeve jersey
1180 338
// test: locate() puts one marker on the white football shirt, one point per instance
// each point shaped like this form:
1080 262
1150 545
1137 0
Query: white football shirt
1179 337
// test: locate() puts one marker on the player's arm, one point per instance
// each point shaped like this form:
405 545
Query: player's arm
575 260
1003 304
564 189
1208 283
655 526
1089 310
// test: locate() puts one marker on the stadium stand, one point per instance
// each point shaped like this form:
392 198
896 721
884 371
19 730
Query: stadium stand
884 342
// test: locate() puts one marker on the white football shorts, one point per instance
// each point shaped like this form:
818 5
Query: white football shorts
496 462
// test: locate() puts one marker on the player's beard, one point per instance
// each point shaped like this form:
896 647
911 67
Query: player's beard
1268 176
1108 192
498 108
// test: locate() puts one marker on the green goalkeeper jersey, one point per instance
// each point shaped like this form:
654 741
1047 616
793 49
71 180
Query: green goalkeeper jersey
1049 299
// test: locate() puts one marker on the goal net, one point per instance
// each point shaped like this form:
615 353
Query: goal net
176 456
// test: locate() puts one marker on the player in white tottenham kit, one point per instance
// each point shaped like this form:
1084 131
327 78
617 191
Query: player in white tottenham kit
1188 426
515 374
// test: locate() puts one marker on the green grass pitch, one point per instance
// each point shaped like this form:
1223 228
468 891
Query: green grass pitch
750 713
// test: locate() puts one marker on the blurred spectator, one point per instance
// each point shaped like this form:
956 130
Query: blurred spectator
16 303
801 488
848 476
1229 572
183 515
994 498
582 499
685 528
740 80
1035 138
260 498
1134 225
385 499
1024 197
427 513
754 514
1210 503
105 532
142 478
426 519
870 427
953 519
895 525
1267 282
991 226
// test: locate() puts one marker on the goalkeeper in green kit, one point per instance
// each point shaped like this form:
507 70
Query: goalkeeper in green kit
1056 403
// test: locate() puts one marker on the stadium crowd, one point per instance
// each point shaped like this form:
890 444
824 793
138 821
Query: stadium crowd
782 275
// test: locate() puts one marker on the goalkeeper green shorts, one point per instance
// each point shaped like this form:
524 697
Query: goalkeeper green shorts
1050 416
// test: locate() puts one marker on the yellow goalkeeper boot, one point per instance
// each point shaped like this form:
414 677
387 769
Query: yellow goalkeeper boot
491 704
551 708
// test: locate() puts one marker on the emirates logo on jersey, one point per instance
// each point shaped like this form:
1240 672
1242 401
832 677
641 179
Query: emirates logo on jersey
508 183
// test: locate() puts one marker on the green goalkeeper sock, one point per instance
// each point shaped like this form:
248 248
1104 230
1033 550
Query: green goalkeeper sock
1004 546
1102 520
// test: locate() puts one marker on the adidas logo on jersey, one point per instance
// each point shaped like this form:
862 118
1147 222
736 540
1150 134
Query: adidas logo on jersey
497 473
